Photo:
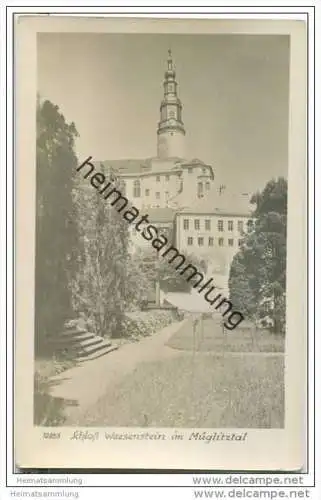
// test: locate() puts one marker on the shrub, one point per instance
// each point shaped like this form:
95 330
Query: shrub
48 411
144 323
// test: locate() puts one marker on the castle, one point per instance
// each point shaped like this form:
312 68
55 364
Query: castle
181 195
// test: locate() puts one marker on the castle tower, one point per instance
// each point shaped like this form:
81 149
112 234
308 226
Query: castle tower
170 132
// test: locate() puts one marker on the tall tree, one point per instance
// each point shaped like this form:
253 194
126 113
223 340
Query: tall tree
56 233
100 290
258 273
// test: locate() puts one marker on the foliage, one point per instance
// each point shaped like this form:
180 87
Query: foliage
81 241
145 323
258 273
172 281
100 285
48 411
150 268
140 281
56 234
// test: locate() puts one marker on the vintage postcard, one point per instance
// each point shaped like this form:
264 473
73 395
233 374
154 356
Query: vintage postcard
161 233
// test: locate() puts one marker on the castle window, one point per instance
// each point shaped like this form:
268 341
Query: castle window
190 241
208 225
240 226
200 242
210 241
197 224
136 192
220 225
230 242
157 196
230 225
207 186
123 186
167 178
157 178
186 224
220 242
240 242
172 114
190 170
249 224
147 192
200 189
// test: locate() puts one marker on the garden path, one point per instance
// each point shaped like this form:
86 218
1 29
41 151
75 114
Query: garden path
84 384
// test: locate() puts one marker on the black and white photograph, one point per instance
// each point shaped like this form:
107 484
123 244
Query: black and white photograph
160 271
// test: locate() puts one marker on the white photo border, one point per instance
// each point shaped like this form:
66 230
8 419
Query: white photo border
7 346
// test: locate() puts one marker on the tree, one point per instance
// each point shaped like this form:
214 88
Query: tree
141 276
172 281
56 232
100 290
152 268
257 278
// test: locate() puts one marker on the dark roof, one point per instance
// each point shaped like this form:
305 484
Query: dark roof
150 165
136 166
226 204
196 161
161 214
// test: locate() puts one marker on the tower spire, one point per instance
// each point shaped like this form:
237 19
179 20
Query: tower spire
169 60
170 130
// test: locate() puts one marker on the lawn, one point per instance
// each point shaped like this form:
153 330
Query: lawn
204 390
242 339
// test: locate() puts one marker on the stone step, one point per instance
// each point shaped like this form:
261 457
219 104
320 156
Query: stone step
73 330
89 346
102 350
67 334
93 341
81 345
84 346
86 350
65 340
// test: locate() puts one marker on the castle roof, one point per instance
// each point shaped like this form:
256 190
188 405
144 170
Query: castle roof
165 214
147 166
127 166
228 203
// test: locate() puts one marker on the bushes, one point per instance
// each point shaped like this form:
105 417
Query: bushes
48 411
144 323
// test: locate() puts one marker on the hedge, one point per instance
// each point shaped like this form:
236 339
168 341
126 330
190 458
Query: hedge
144 323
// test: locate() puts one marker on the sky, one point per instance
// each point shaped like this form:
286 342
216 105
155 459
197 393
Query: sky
234 91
